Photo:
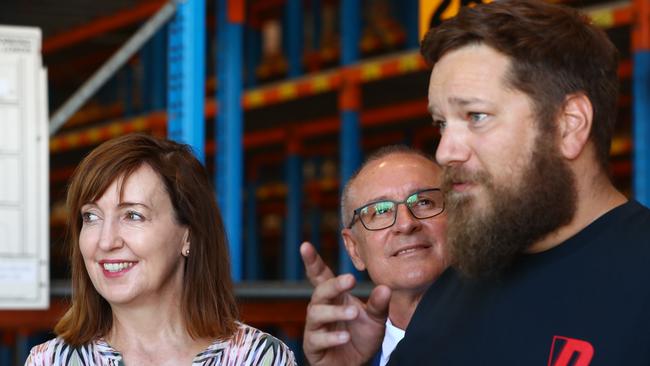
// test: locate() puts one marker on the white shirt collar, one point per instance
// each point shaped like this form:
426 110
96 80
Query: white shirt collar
392 336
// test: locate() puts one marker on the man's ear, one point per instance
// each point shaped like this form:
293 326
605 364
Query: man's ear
352 247
574 124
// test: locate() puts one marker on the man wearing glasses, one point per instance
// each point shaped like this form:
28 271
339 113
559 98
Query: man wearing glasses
392 210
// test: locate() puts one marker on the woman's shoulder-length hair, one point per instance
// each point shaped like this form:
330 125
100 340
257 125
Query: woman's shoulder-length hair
208 303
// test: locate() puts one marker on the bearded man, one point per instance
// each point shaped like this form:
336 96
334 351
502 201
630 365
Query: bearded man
550 261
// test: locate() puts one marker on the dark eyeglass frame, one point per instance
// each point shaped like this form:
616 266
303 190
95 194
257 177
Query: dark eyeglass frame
397 203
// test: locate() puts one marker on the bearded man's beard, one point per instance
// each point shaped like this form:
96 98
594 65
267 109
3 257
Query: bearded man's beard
485 242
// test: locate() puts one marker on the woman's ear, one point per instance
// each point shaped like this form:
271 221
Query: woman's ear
185 249
574 124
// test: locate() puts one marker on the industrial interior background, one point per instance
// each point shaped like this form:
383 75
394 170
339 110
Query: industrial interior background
305 89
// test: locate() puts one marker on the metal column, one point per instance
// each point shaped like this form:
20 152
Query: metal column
315 213
146 70
294 32
293 223
349 104
158 71
641 102
253 50
411 19
252 251
229 130
186 78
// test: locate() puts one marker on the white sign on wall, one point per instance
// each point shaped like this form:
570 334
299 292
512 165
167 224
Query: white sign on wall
24 167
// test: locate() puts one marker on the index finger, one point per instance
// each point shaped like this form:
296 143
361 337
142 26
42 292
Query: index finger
315 268
330 291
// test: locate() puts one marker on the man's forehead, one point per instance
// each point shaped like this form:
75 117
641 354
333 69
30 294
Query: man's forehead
475 75
404 160
394 174
476 61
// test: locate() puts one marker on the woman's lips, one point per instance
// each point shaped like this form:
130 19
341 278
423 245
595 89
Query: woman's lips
116 268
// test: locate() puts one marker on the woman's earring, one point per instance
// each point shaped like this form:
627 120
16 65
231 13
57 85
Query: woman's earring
187 252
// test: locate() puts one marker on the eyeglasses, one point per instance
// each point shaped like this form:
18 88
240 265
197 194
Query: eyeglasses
382 214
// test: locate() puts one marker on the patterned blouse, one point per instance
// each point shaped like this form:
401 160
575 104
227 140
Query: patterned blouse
247 347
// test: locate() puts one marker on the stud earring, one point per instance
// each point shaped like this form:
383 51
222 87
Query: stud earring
187 252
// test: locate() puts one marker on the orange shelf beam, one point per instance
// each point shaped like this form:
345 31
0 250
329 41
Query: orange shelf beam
641 30
612 16
304 129
277 93
95 113
376 69
96 135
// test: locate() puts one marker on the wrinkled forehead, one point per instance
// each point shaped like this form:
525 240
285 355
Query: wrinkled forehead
394 177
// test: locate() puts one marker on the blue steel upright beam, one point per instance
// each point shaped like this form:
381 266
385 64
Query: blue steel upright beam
252 249
349 104
186 76
253 51
641 101
229 130
158 70
641 96
294 31
146 88
293 223
315 214
411 18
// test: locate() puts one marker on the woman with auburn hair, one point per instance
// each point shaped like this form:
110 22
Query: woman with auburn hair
150 269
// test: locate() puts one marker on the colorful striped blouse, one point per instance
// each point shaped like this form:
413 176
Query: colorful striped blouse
247 347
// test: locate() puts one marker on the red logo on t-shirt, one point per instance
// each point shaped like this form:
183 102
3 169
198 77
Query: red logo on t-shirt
570 352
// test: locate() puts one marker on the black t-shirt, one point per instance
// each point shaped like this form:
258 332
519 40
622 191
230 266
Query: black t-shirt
584 302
